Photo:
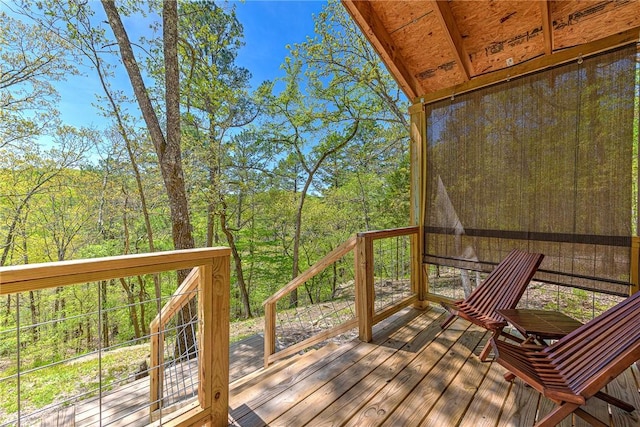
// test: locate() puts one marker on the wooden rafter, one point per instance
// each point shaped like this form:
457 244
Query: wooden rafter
547 26
369 23
443 11
538 64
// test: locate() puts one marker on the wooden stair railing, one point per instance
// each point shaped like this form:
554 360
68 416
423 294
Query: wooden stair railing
184 294
213 281
362 246
270 307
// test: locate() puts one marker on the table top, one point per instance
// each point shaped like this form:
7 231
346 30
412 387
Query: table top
543 324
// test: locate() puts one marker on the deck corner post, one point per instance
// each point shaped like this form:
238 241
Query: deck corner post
417 197
269 332
364 286
213 307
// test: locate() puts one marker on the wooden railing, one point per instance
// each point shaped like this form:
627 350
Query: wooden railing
362 247
210 274
182 296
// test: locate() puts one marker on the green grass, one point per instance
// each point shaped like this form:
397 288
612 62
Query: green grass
55 383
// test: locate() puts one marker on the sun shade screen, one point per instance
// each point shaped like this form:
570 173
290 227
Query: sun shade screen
543 163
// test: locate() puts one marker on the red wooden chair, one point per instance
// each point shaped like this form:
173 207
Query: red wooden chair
502 289
577 366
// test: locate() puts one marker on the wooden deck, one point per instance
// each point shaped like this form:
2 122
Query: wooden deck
412 374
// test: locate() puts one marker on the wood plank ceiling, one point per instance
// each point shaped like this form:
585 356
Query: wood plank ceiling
436 48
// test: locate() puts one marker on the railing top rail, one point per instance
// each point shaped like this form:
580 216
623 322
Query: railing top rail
392 232
21 278
182 296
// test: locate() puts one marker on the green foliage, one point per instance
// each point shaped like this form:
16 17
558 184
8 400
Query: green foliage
284 175
54 383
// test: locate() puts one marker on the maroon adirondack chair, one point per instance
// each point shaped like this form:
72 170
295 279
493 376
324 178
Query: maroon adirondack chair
576 367
502 289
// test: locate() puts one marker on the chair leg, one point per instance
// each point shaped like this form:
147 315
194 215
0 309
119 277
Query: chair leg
487 347
590 418
615 401
509 376
448 321
558 414
485 351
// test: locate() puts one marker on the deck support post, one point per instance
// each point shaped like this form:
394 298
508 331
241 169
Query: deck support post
213 308
364 286
635 265
419 282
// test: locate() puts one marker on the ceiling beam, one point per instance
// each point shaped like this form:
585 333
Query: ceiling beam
371 26
547 26
443 11
538 64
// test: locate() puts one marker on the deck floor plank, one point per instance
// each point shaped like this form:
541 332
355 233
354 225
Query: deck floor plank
287 399
488 399
243 406
624 387
412 372
438 363
461 390
597 408
307 409
395 391
520 406
546 406
360 393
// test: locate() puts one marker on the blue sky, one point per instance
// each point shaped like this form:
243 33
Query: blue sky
268 27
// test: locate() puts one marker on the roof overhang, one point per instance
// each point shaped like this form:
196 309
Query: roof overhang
437 48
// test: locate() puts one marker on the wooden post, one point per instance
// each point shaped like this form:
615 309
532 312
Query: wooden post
156 371
420 284
269 331
213 307
364 286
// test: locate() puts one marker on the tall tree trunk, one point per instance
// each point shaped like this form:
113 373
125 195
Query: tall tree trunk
242 286
167 149
293 298
131 302
142 298
126 286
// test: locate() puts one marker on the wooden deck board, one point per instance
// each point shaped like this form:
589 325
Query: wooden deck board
340 393
488 399
624 387
520 405
268 411
438 365
359 394
460 390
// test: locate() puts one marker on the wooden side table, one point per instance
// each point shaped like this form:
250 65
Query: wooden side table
540 325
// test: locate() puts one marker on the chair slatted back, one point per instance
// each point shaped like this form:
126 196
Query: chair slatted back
504 286
589 357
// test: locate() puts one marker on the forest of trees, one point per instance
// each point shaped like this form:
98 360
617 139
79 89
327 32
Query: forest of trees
194 156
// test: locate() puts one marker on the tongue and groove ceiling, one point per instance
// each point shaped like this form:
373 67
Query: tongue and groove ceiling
436 49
